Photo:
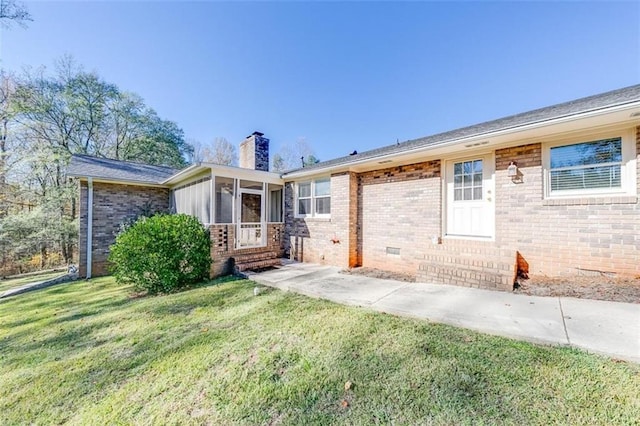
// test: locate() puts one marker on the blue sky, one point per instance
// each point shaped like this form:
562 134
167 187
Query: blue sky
343 75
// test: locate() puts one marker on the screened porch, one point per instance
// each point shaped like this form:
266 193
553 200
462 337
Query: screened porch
246 200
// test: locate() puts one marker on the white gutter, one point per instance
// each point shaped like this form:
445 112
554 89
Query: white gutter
89 225
100 179
467 139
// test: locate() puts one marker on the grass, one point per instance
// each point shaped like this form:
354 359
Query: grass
90 353
7 284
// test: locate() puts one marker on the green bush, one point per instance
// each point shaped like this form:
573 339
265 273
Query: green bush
162 253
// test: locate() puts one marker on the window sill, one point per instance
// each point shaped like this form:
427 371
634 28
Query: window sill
584 201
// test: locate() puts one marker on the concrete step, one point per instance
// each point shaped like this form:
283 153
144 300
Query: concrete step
475 249
253 257
258 264
458 275
476 264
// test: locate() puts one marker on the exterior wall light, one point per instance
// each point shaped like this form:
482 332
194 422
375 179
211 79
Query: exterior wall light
514 173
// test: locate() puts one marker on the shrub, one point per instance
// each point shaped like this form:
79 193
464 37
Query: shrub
162 253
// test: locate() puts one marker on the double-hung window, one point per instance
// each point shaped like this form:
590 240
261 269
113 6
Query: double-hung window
593 167
313 198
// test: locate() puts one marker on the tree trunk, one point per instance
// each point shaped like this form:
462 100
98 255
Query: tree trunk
3 154
43 256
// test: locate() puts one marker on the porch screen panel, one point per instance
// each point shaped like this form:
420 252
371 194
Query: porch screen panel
194 199
275 203
224 200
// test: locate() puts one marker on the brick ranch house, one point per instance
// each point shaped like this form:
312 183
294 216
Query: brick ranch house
552 191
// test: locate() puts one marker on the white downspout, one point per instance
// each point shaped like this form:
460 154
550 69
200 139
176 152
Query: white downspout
89 225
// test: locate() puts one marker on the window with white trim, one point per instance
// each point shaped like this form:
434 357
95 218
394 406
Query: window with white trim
586 165
313 198
592 167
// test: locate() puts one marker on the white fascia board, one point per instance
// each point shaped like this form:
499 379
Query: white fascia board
470 139
248 174
224 171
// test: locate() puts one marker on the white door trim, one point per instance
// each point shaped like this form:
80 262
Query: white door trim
488 197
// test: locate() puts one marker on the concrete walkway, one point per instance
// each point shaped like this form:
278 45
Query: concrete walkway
609 328
39 285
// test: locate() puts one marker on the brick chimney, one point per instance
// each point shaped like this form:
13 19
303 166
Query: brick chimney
254 152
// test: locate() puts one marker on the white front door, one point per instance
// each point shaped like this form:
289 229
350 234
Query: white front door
250 231
470 192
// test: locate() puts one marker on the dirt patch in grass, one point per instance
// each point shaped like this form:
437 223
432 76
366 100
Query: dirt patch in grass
378 273
615 289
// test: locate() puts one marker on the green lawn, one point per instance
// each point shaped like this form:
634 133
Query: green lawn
27 279
89 353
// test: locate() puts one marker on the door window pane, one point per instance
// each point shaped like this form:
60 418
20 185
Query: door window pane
467 180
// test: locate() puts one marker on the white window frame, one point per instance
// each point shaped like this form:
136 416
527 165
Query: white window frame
313 197
628 184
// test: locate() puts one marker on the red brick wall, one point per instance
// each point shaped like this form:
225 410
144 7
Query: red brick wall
400 210
396 207
112 205
331 241
560 237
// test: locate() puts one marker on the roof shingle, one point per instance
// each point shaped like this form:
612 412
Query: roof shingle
104 168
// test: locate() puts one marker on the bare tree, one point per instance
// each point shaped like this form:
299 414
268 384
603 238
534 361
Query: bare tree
13 11
197 151
7 89
293 156
220 152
